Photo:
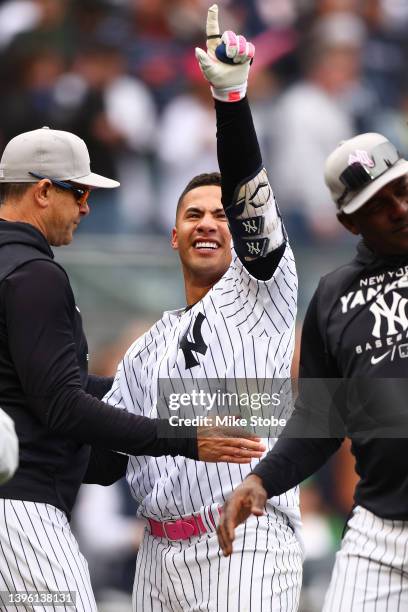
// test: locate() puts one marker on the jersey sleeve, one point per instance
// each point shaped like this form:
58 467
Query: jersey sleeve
40 311
265 308
292 459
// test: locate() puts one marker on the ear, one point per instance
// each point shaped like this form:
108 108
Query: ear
174 239
42 192
349 223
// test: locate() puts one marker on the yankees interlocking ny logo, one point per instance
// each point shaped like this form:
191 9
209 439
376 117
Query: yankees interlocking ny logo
253 248
361 157
394 314
250 226
199 346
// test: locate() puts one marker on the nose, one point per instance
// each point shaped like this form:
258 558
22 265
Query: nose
206 224
84 209
398 208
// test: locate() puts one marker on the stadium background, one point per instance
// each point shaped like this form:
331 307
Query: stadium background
121 74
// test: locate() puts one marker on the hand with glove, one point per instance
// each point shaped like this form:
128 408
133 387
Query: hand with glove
227 61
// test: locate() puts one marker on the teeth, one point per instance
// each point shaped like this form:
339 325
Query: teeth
205 245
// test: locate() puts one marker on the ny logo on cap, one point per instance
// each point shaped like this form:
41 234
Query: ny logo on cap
361 157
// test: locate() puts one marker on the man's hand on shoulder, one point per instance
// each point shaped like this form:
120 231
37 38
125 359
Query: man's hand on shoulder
227 61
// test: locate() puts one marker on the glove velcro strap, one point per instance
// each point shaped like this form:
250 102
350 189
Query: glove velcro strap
230 94
242 228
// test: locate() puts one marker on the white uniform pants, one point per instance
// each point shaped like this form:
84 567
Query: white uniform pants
371 569
39 553
264 573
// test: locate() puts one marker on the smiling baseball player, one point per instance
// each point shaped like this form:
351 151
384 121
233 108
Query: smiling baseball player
238 323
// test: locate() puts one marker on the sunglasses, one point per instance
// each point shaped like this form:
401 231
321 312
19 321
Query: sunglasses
362 172
81 193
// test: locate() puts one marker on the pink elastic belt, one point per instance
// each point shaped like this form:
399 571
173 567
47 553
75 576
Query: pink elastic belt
180 529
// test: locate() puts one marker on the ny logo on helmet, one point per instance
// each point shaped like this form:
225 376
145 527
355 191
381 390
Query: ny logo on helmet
362 158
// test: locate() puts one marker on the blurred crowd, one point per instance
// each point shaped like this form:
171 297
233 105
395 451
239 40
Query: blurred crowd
122 75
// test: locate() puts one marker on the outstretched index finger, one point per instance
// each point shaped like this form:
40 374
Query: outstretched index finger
213 28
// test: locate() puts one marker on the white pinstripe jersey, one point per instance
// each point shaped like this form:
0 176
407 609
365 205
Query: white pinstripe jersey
248 329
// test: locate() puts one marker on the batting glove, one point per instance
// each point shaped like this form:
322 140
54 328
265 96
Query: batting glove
227 61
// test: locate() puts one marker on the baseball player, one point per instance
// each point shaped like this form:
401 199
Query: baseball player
8 448
238 323
45 180
356 329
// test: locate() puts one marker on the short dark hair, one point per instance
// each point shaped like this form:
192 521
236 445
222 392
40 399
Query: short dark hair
201 180
13 191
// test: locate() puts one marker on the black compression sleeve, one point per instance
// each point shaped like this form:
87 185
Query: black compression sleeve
239 157
41 318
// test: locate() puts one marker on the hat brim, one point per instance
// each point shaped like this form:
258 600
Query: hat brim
398 170
96 180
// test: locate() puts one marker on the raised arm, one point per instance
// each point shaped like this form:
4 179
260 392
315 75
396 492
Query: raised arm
254 220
